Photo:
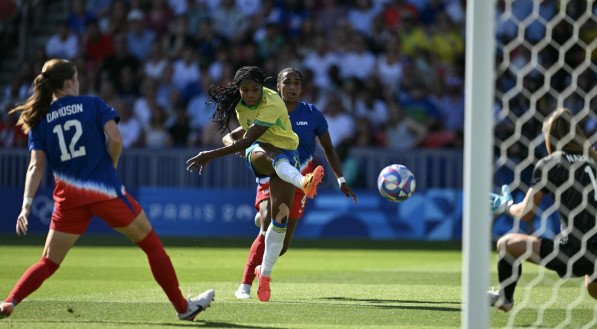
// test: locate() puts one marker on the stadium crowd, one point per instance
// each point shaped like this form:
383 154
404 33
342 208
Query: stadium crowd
385 73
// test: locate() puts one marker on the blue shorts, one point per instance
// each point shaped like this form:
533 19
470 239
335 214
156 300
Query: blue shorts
289 155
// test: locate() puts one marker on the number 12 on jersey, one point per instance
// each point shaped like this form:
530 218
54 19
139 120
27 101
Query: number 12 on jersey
72 151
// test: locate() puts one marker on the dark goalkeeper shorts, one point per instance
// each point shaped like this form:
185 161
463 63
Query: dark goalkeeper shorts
557 256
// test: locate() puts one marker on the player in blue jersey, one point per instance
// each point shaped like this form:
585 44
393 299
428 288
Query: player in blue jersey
270 146
310 125
69 132
569 175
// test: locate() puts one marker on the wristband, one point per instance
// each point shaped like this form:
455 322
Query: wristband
341 180
27 201
508 206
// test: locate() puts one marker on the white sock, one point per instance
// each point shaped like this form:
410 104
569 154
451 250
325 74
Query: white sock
274 241
245 287
288 173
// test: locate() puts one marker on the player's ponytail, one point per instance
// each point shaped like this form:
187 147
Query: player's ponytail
563 133
225 97
52 77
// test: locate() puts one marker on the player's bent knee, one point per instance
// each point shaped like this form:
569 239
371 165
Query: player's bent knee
502 243
283 213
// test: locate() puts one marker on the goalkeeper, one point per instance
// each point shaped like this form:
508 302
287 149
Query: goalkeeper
568 173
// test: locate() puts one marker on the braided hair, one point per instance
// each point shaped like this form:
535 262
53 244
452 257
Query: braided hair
225 96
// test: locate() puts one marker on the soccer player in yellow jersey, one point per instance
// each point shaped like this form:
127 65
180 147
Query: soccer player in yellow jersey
270 150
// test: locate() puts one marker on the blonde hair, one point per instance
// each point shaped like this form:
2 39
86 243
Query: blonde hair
52 77
563 133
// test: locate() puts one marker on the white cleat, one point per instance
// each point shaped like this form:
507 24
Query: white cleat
197 305
496 301
243 292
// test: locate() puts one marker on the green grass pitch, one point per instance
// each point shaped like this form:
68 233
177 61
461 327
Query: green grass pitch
317 284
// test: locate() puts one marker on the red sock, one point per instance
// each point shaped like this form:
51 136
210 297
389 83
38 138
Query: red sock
32 279
162 270
254 259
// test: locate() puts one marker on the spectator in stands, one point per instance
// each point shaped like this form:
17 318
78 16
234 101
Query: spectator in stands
362 15
155 134
63 44
208 42
320 61
195 14
394 11
155 63
328 16
113 65
357 62
159 16
115 21
369 105
340 124
389 67
451 105
79 17
99 8
229 21
97 46
145 105
129 125
401 132
11 135
180 129
139 38
128 85
185 70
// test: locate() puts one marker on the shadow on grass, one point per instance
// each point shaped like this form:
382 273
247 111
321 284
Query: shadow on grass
198 323
424 304
116 240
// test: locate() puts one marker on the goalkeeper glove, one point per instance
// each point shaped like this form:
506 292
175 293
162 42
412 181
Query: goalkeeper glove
500 203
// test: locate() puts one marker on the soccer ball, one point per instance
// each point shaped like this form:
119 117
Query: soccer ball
396 183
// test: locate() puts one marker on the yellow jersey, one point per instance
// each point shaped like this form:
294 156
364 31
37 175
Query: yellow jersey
269 112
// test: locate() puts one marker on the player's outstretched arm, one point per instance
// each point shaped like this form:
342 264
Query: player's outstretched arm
233 136
525 210
201 160
35 173
332 157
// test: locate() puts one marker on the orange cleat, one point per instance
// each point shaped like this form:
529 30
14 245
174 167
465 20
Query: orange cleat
263 292
311 180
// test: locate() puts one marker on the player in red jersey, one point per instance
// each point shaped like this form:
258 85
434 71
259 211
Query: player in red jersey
69 131
310 125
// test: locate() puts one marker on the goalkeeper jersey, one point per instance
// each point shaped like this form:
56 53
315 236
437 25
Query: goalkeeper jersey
571 179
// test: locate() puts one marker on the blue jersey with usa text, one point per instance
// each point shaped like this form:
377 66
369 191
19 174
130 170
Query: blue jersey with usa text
308 123
72 136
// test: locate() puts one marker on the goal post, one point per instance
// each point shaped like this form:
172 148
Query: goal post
479 88
524 60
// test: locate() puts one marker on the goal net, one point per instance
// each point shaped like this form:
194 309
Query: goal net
545 59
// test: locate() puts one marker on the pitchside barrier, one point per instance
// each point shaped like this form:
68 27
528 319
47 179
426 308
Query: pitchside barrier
431 215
